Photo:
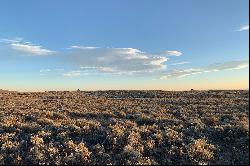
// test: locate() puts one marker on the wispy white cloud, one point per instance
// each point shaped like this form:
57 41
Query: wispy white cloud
129 53
232 65
21 46
50 72
9 41
84 47
180 63
116 60
72 74
31 49
91 70
98 68
88 67
181 73
45 70
243 28
59 69
172 53
107 69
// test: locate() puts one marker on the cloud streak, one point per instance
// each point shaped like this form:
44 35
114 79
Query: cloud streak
180 63
232 65
72 74
84 47
31 49
26 48
172 53
243 28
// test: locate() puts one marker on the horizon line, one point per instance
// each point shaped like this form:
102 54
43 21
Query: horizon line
124 90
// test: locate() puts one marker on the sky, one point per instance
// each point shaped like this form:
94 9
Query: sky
133 45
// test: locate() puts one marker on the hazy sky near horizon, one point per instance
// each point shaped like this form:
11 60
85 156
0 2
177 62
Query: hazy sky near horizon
99 45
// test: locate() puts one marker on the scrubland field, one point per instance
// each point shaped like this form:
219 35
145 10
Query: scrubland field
124 127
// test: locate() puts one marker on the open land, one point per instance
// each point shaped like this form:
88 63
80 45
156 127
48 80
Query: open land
124 127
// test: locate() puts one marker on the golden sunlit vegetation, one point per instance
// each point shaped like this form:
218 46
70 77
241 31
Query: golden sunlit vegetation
124 127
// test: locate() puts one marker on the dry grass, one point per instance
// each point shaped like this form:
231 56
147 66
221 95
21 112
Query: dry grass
124 127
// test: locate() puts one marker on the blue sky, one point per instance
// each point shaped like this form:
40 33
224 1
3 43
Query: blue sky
91 45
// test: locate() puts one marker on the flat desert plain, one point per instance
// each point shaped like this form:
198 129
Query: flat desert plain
124 127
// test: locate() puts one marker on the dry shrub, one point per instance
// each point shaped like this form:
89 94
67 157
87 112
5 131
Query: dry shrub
201 152
77 153
36 140
10 121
